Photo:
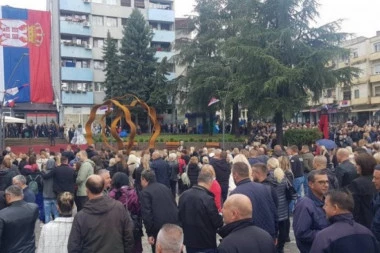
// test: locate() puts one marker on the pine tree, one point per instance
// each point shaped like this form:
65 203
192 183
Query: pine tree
137 61
111 60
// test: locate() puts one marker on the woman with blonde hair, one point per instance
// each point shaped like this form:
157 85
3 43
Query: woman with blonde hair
144 165
215 187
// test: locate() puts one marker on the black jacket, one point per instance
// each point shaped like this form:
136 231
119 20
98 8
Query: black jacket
296 163
199 218
157 207
193 172
103 225
6 176
17 227
363 191
222 171
63 179
243 237
346 173
162 170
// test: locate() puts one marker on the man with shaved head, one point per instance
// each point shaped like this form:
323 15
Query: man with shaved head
320 163
239 234
346 171
169 239
222 171
103 225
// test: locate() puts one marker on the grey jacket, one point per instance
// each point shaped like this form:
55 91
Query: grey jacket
85 170
48 192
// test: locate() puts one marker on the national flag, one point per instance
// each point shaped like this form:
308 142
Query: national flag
10 102
213 101
13 91
25 55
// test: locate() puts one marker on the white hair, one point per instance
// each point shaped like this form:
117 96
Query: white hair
170 238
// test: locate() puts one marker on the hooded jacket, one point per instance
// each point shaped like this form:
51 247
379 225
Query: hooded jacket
85 170
6 176
102 226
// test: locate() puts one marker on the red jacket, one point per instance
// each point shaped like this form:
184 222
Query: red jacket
217 191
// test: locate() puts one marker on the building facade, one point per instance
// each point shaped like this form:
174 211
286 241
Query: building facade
79 31
360 101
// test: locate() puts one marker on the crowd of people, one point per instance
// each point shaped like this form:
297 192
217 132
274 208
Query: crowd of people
104 201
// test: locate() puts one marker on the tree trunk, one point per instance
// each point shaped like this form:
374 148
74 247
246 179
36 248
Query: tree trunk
211 123
235 119
278 119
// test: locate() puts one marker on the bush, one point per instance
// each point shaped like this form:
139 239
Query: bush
161 139
301 137
191 139
200 140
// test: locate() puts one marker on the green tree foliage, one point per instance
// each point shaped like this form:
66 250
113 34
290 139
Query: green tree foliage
137 61
301 137
111 59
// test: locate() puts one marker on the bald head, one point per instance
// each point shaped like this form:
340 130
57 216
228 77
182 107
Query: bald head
237 207
95 185
320 162
342 155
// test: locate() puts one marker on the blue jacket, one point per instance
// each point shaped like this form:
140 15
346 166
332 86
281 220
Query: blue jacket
162 170
264 210
376 218
308 219
345 236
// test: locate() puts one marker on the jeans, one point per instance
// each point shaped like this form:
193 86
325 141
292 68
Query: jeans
195 250
50 206
306 184
297 184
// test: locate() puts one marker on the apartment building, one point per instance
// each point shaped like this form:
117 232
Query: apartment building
359 101
79 31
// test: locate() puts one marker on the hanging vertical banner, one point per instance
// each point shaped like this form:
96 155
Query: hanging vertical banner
25 55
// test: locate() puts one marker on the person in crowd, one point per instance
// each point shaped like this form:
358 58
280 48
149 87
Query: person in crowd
50 202
55 235
28 195
144 165
375 226
17 222
346 171
307 160
215 187
239 233
105 174
101 217
174 171
123 192
260 196
320 163
193 170
120 165
363 190
296 164
157 206
199 216
344 235
222 170
69 153
63 177
112 166
169 239
161 169
261 175
86 169
6 174
309 216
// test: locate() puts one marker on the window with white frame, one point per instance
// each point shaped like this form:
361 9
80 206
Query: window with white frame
97 1
99 65
125 3
99 87
376 90
111 22
356 94
98 42
97 20
376 47
376 69
111 2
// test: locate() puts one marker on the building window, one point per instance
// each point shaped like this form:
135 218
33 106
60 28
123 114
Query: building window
376 90
355 54
125 3
97 20
356 94
99 65
376 69
162 6
111 2
99 87
98 42
165 27
376 47
124 21
347 95
111 22
139 4
97 1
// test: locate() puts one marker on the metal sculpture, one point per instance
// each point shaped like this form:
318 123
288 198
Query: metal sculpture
120 111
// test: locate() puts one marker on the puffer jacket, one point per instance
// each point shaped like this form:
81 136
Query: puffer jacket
283 204
85 170
193 172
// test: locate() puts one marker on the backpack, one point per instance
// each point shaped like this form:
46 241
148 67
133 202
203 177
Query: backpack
33 185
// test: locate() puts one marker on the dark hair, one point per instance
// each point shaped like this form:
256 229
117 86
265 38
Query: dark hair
241 169
95 186
223 155
342 199
313 173
366 162
65 203
64 159
360 150
32 160
149 176
262 167
294 148
119 179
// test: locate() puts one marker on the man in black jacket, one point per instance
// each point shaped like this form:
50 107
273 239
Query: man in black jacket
17 222
222 170
63 177
346 171
199 216
157 206
103 225
239 234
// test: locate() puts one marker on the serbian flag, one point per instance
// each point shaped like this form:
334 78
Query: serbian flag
25 55
213 101
10 103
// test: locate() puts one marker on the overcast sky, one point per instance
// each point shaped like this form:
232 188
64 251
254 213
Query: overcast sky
361 17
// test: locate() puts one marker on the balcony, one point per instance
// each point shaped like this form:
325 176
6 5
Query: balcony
360 101
82 98
161 15
360 80
375 56
163 36
75 28
374 78
161 54
358 60
78 6
76 74
78 51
